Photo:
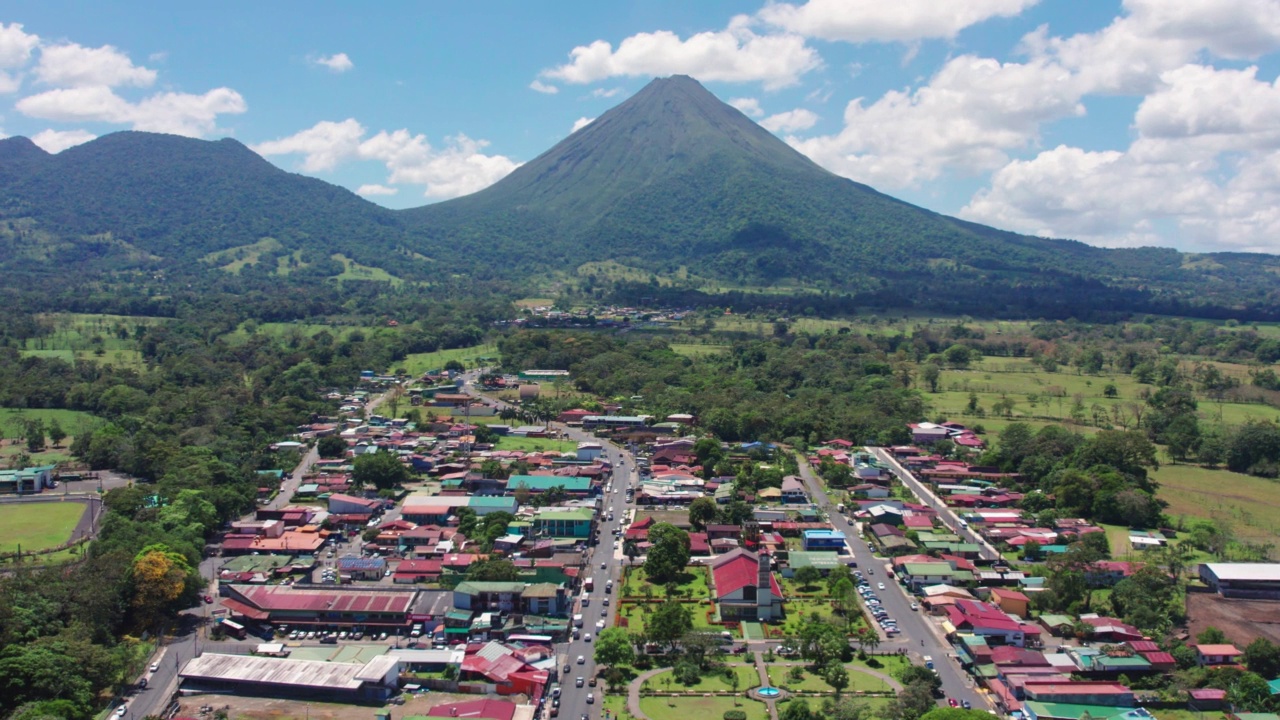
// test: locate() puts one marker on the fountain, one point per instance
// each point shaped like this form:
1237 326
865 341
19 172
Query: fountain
768 692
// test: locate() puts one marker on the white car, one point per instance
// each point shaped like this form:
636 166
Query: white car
586 638
915 606
120 711
581 660
880 585
155 666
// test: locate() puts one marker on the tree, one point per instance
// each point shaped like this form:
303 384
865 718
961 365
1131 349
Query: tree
808 576
701 512
331 446
1211 636
35 435
920 674
631 549
159 578
821 641
493 570
930 372
380 469
668 553
913 701
613 647
845 709
842 595
56 433
950 713
669 623
1263 657
1031 551
836 676
959 356
797 709
1249 692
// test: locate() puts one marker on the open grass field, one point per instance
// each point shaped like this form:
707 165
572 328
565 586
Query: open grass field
78 337
355 271
697 350
686 707
691 584
535 444
419 363
36 526
233 260
1249 505
747 679
72 421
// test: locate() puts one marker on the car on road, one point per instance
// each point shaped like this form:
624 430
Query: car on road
578 681
879 586
566 668
591 698
582 660
915 606
120 711
952 702
604 565
208 599
966 705
592 681
586 638
155 666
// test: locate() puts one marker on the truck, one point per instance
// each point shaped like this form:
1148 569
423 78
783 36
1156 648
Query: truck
928 662
589 584
840 507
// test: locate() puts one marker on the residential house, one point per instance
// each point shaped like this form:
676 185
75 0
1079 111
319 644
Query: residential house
1221 654
1010 601
793 491
351 505
362 568
831 540
990 622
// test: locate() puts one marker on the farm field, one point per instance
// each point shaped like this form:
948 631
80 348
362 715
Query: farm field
697 350
72 421
1249 505
418 363
535 444
81 337
36 526
355 271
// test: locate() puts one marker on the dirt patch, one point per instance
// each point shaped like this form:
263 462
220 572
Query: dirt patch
1241 620
255 708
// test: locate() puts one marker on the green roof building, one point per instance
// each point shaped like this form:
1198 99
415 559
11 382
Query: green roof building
543 483
564 523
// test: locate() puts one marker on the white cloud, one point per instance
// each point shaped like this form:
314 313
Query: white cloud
177 113
458 168
72 65
338 63
1206 161
969 115
875 20
55 141
790 121
1129 55
603 93
581 123
375 190
735 54
749 106
16 45
323 145
545 89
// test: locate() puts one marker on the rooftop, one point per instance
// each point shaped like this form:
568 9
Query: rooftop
282 671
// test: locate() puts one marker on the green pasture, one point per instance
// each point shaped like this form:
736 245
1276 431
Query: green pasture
36 526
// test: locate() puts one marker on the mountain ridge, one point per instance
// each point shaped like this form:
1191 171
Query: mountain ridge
670 180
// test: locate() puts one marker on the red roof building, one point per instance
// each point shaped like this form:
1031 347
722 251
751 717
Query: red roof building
745 586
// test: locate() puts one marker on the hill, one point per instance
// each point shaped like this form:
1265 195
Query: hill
670 182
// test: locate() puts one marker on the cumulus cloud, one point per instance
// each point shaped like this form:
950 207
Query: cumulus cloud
736 54
748 106
72 65
338 63
605 93
790 121
457 168
16 47
581 123
545 89
170 112
1206 160
969 115
874 20
55 141
375 190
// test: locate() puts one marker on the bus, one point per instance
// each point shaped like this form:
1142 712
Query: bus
234 629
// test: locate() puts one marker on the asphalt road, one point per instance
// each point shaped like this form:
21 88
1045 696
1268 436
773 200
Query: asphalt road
919 635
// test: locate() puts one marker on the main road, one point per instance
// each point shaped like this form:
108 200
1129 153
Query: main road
919 635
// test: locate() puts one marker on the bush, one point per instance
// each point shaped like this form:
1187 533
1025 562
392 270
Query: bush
735 715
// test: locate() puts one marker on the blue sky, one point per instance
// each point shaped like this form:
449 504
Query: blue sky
1117 122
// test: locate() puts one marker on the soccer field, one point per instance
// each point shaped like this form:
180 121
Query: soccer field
36 526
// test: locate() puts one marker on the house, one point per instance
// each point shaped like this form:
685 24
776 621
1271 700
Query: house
824 540
1224 654
572 486
928 433
1202 699
1110 694
351 505
573 417
510 669
362 568
745 588
1110 629
988 621
588 451
793 491
1010 601
556 523
869 491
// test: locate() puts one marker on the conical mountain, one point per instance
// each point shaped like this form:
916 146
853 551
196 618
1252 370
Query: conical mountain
675 177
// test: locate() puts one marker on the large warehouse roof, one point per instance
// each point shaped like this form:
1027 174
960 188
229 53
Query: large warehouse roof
281 671
1251 572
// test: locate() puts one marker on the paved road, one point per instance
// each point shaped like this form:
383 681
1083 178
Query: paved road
919 635
949 518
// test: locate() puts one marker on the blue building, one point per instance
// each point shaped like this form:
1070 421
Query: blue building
823 540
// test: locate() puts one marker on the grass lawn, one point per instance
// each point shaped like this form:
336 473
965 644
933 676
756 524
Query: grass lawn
635 617
72 421
417 363
799 611
888 664
813 682
747 679
535 444
790 588
355 271
705 708
616 704
696 350
1250 505
692 584
36 526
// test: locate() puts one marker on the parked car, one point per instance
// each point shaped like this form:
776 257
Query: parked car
591 698
120 711
592 681
578 681
966 705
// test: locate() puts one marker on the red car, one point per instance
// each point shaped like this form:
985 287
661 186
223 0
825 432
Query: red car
208 599
953 702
